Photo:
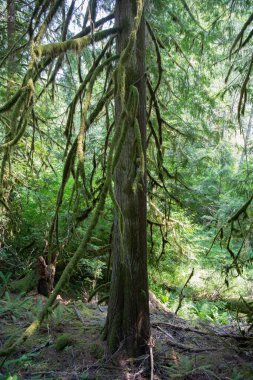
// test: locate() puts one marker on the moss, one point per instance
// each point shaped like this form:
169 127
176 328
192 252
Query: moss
84 309
10 103
140 162
84 125
96 350
113 333
132 38
63 341
77 44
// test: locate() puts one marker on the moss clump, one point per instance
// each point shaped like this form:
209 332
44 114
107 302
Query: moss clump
63 341
97 350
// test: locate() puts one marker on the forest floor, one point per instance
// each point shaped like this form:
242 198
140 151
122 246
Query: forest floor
69 346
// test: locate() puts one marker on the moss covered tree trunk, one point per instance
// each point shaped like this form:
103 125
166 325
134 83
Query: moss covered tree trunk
128 310
11 26
6 224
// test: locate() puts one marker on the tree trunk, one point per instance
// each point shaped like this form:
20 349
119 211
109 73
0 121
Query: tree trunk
5 186
128 309
11 27
246 139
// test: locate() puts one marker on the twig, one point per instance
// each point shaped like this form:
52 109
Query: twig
183 346
210 331
179 327
138 374
59 374
79 315
181 295
151 345
39 348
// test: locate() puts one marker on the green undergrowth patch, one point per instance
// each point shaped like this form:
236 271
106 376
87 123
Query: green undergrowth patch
207 295
187 367
73 329
63 341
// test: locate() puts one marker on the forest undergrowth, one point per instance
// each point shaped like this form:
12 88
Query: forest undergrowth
69 345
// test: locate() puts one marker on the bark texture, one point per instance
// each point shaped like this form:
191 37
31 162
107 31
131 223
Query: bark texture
128 309
6 225
11 27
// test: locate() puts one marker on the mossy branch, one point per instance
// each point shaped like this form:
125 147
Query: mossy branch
86 104
97 289
10 103
56 48
25 101
55 5
80 91
68 164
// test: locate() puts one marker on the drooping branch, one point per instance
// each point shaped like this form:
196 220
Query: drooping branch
41 66
69 162
55 5
230 223
158 57
23 119
239 37
81 89
86 104
181 295
241 211
64 36
188 10
243 92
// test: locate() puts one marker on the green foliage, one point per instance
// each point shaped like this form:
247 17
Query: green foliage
97 350
212 312
24 361
186 367
59 314
63 341
236 375
84 376
5 278
15 305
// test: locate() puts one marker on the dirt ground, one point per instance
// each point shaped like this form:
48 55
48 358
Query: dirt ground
69 346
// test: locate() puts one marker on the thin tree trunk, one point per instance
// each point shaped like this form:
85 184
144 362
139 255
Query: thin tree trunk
246 139
11 27
128 309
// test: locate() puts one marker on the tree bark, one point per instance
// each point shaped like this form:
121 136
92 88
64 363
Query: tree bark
246 139
128 309
11 27
5 187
